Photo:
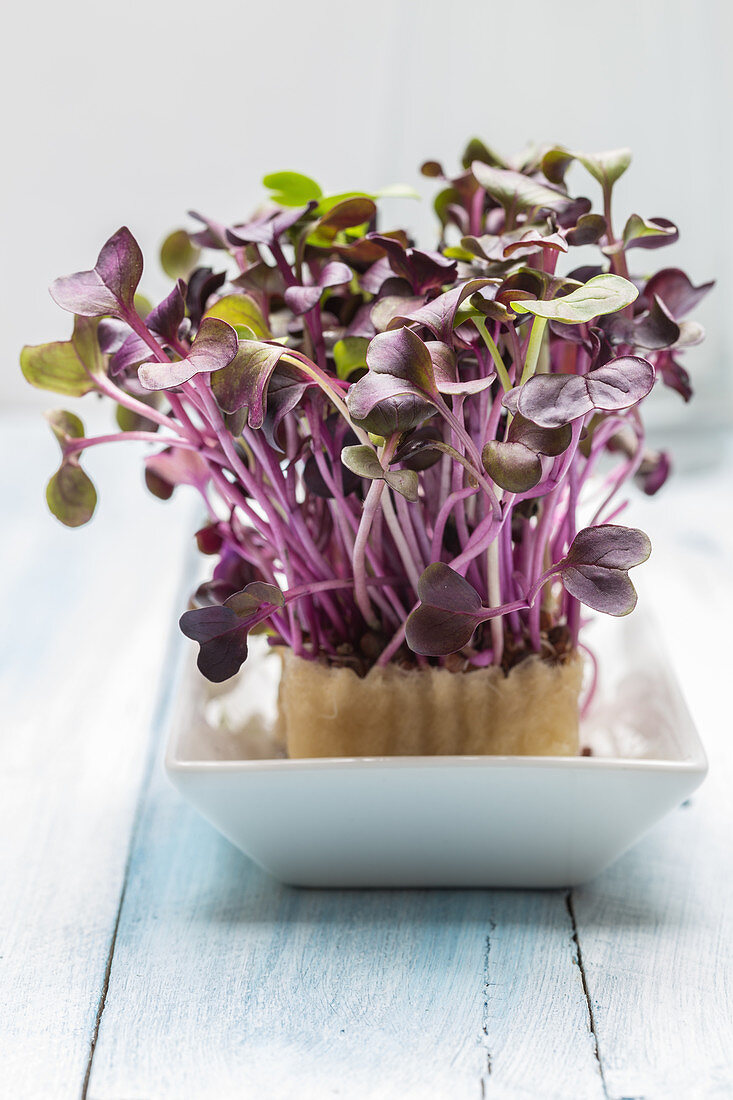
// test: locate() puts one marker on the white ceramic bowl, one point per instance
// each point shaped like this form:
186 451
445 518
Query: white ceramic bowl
444 821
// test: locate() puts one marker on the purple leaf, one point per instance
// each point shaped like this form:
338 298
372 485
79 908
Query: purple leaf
269 228
552 400
402 354
422 270
384 405
109 288
222 631
449 612
299 299
595 568
439 314
245 380
545 441
676 291
445 372
175 466
213 348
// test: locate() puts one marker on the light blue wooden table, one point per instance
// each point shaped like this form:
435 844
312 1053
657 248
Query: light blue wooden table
143 958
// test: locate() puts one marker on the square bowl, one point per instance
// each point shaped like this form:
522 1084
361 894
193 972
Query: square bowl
452 821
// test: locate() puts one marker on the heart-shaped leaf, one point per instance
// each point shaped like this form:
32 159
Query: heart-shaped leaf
213 348
402 354
362 460
600 295
66 367
445 372
109 288
552 400
221 631
595 569
450 610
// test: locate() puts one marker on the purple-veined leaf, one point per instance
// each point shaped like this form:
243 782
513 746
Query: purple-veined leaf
545 441
552 400
402 354
213 348
244 382
595 568
422 270
445 372
164 322
439 313
109 288
268 228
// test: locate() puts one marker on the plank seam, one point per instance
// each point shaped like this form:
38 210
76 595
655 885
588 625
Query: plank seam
485 1011
162 709
578 960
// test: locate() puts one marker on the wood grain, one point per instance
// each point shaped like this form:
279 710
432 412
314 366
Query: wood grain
657 929
226 984
85 618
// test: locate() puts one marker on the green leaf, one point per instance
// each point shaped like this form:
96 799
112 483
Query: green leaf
349 355
71 496
600 295
240 309
178 256
638 228
555 164
65 425
397 191
363 461
606 167
65 367
513 189
292 188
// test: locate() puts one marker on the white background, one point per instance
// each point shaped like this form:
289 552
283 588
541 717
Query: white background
133 113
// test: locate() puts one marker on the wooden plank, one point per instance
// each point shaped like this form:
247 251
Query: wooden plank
86 616
656 931
225 984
